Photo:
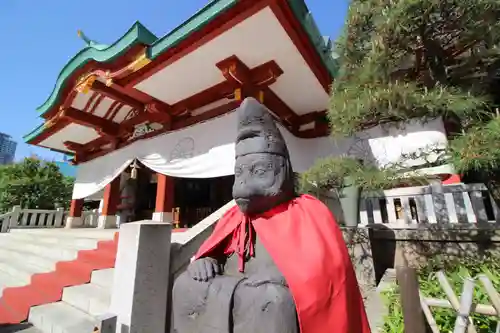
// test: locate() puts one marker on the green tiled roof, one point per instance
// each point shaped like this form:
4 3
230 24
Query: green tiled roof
322 44
137 34
34 133
193 24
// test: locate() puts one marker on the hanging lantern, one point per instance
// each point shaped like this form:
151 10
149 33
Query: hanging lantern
133 172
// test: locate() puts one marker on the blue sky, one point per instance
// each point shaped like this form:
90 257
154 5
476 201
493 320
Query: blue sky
38 38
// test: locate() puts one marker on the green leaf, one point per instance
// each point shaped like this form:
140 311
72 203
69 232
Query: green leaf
32 183
406 59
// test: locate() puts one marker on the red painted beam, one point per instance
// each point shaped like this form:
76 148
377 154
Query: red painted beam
215 112
238 74
74 146
111 93
102 125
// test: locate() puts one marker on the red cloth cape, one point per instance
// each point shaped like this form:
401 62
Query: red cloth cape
307 246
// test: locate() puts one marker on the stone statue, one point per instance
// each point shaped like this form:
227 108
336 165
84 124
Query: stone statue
276 262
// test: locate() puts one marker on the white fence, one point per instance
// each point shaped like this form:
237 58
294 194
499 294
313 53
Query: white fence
41 218
433 205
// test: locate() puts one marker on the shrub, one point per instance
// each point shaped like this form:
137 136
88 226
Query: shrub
456 272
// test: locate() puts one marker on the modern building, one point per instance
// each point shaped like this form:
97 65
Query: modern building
7 149
151 121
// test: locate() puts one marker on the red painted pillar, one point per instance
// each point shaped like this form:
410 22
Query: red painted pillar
111 198
164 199
74 219
110 205
76 208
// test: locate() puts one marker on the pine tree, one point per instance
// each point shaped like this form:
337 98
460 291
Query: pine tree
403 59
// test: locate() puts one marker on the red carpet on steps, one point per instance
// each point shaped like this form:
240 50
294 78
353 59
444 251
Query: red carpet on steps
48 287
45 288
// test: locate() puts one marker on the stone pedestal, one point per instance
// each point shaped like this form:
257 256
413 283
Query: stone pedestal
141 280
167 217
107 222
74 222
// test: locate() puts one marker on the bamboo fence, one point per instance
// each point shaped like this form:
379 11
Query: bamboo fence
416 306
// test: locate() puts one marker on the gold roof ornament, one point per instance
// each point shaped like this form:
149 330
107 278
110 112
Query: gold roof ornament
109 79
52 121
85 83
139 62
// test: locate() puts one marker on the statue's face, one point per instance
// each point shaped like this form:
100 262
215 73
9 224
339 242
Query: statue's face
262 181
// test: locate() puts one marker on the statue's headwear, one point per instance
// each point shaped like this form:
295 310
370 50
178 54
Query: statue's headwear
257 131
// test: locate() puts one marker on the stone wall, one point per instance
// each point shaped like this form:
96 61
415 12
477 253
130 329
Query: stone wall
415 247
373 251
360 250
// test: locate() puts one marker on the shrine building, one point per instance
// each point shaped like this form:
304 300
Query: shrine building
150 120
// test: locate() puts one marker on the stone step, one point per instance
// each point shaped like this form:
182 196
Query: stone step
27 257
103 278
7 281
61 317
52 239
90 298
27 252
54 252
98 234
20 270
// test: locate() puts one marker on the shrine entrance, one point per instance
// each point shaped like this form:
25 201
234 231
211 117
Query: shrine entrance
137 195
195 199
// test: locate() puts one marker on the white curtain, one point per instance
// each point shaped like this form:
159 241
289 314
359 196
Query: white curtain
206 150
95 175
202 151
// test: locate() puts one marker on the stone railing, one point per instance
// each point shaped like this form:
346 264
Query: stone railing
436 205
42 218
410 207
4 221
90 218
37 218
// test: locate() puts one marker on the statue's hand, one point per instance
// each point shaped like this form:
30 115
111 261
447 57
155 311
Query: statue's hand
203 269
